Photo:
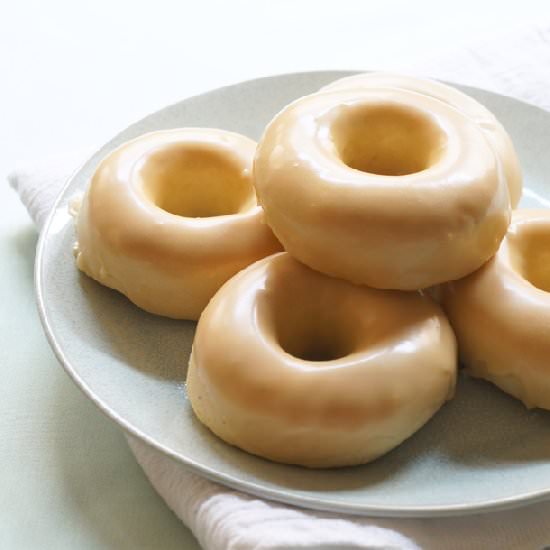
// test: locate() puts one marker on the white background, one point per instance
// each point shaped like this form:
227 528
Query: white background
71 75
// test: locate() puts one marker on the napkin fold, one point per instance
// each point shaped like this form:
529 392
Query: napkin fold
224 519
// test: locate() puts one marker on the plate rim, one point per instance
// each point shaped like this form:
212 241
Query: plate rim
278 495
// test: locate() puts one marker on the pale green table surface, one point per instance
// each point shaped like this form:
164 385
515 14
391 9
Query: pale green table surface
67 477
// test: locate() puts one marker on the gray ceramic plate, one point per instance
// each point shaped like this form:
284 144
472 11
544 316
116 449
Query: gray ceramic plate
482 451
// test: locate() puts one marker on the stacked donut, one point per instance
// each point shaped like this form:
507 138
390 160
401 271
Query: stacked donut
383 191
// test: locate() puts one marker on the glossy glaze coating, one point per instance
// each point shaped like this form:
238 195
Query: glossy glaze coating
501 313
302 368
170 216
383 187
475 111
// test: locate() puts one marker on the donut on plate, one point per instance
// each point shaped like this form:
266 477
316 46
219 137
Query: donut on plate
301 368
383 187
501 313
170 216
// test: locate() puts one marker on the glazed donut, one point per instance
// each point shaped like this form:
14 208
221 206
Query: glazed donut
388 188
501 313
475 111
301 368
170 216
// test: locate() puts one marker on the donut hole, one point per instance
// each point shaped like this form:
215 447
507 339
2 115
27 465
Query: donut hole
196 182
387 140
531 256
311 337
310 316
318 318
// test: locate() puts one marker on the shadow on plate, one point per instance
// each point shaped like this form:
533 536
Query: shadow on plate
154 345
484 426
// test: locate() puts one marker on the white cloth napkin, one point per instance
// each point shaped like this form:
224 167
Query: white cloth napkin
223 519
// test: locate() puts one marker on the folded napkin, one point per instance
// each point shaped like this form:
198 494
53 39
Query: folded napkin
224 519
